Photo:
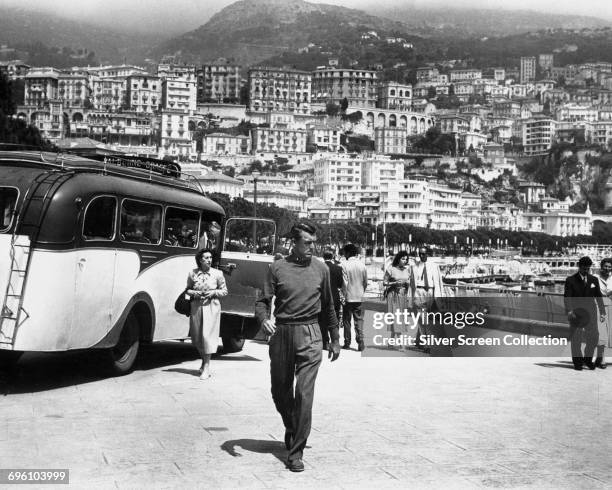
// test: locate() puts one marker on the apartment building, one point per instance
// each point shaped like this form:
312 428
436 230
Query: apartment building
179 93
276 89
14 69
359 87
115 71
528 69
324 137
143 93
226 144
41 85
420 203
221 183
465 75
390 141
545 61
175 137
107 93
395 96
538 134
279 139
178 71
567 224
73 89
219 82
576 112
507 108
426 74
335 175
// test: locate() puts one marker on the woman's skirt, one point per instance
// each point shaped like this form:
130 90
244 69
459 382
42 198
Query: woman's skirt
204 323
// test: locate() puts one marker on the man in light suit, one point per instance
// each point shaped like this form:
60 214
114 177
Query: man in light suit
426 284
582 297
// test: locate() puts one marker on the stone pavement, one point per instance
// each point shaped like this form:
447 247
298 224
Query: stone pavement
385 422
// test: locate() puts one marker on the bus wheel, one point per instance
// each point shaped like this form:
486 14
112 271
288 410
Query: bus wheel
232 344
123 355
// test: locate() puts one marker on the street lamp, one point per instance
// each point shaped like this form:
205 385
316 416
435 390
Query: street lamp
255 174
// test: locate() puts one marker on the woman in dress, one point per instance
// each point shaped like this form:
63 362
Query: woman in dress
205 285
397 284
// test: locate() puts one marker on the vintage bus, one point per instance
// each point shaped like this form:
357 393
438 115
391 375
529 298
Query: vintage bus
94 253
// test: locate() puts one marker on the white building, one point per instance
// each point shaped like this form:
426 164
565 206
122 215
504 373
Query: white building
538 134
175 137
224 184
180 93
528 69
226 144
143 93
279 140
324 137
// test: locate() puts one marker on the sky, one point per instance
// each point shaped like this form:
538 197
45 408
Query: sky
183 15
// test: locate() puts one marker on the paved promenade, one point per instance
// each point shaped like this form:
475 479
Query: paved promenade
378 422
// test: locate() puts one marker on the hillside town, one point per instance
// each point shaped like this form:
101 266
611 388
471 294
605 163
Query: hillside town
288 137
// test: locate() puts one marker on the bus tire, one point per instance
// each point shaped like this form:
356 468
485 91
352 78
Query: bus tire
123 355
232 344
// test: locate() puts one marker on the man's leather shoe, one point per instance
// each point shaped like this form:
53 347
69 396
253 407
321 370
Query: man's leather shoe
346 346
361 347
288 437
578 367
295 465
600 364
589 364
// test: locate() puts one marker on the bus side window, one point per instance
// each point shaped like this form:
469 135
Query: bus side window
99 221
8 198
181 227
140 222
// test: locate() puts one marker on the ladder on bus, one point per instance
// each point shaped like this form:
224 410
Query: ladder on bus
35 202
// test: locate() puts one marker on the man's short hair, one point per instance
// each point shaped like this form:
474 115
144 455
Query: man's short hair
423 251
607 260
328 255
585 262
298 228
350 250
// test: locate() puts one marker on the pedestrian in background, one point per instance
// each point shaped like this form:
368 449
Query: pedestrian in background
335 281
605 285
426 284
354 284
205 285
396 282
582 298
302 298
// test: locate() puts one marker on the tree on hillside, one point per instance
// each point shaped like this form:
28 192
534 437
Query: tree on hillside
344 105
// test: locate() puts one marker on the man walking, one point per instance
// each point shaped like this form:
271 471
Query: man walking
605 284
582 297
335 280
302 297
355 282
426 285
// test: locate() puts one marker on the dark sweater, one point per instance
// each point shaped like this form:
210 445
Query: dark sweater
301 293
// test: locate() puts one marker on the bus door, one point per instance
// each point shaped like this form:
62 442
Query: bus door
95 272
248 251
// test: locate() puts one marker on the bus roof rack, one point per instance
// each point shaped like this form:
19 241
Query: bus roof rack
155 166
170 172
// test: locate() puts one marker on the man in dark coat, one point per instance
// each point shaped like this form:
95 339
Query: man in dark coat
335 280
582 297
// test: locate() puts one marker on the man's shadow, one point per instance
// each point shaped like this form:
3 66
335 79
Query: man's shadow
276 448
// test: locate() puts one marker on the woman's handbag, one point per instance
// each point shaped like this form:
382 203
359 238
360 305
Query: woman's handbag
182 305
